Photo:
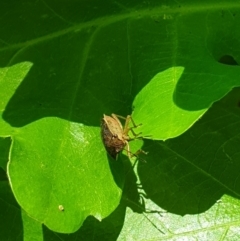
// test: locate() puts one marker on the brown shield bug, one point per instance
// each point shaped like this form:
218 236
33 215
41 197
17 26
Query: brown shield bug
115 137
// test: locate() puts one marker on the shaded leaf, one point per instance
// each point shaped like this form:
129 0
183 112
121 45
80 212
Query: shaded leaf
71 63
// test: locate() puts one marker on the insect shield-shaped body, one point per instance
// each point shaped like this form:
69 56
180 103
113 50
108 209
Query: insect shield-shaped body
113 136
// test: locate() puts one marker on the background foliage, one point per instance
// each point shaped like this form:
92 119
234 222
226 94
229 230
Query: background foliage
173 65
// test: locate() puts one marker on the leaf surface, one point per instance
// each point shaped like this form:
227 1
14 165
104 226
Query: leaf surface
70 64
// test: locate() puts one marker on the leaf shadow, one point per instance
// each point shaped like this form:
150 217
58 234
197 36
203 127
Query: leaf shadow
5 144
200 92
86 73
174 186
57 86
117 169
190 173
131 197
92 229
12 225
202 84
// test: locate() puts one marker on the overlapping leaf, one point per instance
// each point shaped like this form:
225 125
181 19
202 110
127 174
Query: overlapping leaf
58 80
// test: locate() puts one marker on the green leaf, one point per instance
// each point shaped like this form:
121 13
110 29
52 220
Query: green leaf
67 64
180 101
65 173
190 184
54 163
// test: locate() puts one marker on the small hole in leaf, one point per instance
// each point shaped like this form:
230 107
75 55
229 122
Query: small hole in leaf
227 59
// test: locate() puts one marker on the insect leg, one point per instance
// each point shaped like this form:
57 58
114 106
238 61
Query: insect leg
127 129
